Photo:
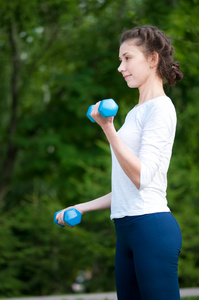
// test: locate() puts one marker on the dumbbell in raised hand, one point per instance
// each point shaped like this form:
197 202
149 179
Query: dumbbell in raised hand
107 108
71 217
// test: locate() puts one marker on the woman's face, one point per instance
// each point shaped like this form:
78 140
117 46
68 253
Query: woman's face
135 67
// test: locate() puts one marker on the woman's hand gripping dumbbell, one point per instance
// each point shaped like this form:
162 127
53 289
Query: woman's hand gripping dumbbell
107 108
71 217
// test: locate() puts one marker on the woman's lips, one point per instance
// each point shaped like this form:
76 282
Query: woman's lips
126 76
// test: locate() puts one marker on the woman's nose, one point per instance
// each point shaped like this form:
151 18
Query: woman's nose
121 67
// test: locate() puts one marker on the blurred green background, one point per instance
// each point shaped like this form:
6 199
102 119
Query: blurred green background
57 57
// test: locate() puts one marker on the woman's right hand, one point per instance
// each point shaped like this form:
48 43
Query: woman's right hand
60 216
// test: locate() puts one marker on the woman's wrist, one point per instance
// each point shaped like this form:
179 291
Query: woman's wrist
110 132
80 208
109 129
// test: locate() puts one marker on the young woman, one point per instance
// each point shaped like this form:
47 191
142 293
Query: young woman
148 236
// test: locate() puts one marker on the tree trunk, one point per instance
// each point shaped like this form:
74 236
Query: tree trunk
11 151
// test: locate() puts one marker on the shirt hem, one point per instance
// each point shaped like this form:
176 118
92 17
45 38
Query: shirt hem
132 214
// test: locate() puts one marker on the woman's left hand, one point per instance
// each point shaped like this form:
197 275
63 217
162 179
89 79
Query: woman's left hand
103 122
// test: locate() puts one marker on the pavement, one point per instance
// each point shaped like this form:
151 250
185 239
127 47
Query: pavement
185 292
189 292
101 296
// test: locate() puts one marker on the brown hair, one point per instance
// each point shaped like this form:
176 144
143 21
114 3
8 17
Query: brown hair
151 39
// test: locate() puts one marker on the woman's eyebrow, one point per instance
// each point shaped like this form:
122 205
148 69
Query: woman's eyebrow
124 54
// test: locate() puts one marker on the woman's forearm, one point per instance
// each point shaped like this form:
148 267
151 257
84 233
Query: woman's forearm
100 203
103 202
130 164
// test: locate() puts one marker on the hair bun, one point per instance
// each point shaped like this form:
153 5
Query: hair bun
175 74
175 66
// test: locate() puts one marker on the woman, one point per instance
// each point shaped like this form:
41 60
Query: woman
148 236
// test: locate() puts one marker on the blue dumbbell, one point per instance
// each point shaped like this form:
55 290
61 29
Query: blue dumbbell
71 217
107 108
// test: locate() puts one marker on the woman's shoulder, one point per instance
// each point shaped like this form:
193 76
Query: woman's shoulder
161 108
162 105
159 112
160 102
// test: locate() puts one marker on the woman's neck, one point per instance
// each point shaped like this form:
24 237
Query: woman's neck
150 91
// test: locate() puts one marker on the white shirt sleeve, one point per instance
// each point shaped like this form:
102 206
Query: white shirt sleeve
157 141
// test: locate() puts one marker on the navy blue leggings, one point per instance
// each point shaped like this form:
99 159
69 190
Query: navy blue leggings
147 252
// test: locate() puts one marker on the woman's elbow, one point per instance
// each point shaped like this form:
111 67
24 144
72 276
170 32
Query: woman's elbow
137 184
146 175
135 180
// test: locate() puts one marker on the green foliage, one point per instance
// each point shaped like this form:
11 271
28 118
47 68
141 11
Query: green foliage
190 298
57 58
40 252
184 180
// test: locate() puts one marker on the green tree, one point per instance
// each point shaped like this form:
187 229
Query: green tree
60 66
57 58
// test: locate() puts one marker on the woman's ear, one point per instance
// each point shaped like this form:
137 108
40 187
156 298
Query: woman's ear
153 59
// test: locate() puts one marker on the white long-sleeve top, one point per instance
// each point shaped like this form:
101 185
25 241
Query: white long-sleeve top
148 131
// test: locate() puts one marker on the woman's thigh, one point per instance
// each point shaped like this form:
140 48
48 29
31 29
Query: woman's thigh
126 281
154 242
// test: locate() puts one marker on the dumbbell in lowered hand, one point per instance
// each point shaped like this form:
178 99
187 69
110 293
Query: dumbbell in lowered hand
107 108
71 217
